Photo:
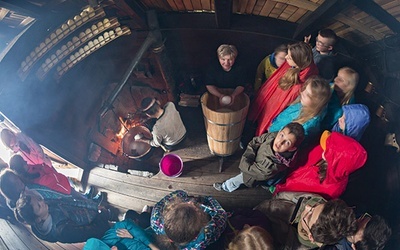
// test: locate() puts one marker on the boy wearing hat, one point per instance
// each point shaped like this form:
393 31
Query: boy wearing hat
266 158
168 130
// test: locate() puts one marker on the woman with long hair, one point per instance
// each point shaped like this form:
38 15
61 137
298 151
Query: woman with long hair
283 87
308 110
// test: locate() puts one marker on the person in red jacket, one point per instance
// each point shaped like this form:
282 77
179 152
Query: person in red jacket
283 87
47 176
40 174
328 167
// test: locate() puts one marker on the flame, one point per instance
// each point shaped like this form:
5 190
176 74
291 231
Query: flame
123 129
126 125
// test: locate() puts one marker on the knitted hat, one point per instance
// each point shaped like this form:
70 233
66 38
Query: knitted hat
325 135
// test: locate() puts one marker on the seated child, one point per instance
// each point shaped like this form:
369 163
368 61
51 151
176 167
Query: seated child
168 130
12 186
269 64
125 234
328 167
344 86
187 223
323 53
25 146
40 174
283 87
239 221
66 220
48 177
308 110
265 157
252 238
354 121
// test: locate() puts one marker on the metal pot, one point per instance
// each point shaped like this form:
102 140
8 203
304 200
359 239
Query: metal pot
136 148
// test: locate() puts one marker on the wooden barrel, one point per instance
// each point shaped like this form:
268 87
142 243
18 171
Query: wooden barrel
224 125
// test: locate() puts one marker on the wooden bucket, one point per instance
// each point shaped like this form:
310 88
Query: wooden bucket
224 125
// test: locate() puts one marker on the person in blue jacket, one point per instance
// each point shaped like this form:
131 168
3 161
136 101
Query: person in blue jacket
354 121
124 235
308 110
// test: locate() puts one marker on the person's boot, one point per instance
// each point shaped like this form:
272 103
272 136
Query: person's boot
89 192
98 198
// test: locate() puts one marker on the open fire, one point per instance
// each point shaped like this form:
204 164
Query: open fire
132 120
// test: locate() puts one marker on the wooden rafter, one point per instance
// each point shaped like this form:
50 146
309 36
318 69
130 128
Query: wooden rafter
359 26
223 13
3 13
23 8
323 14
375 10
300 4
134 10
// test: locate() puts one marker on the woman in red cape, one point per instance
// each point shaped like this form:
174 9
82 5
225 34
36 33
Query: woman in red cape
283 87
343 155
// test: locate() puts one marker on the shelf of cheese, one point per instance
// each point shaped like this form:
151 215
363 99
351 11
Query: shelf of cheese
75 43
90 47
88 14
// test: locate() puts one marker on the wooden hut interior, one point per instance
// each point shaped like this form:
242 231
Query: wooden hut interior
74 73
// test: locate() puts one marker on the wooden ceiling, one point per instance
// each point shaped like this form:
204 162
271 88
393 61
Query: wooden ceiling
358 21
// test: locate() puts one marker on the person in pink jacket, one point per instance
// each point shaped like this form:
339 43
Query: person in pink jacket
23 145
328 167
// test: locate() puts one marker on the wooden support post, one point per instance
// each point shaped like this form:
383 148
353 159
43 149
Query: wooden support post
165 66
221 163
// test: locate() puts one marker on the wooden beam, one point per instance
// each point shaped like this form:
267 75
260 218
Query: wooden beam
375 10
23 7
3 13
223 13
359 26
174 21
322 15
134 10
300 4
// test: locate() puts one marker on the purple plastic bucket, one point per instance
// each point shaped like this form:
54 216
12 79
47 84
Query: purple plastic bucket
171 165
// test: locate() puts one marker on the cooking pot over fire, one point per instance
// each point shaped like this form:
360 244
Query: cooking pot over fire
132 145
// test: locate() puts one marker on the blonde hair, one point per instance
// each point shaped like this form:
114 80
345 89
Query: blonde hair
252 238
227 49
320 95
301 54
6 137
352 81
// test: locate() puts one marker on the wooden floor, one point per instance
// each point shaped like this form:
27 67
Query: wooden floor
201 170
125 191
19 237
